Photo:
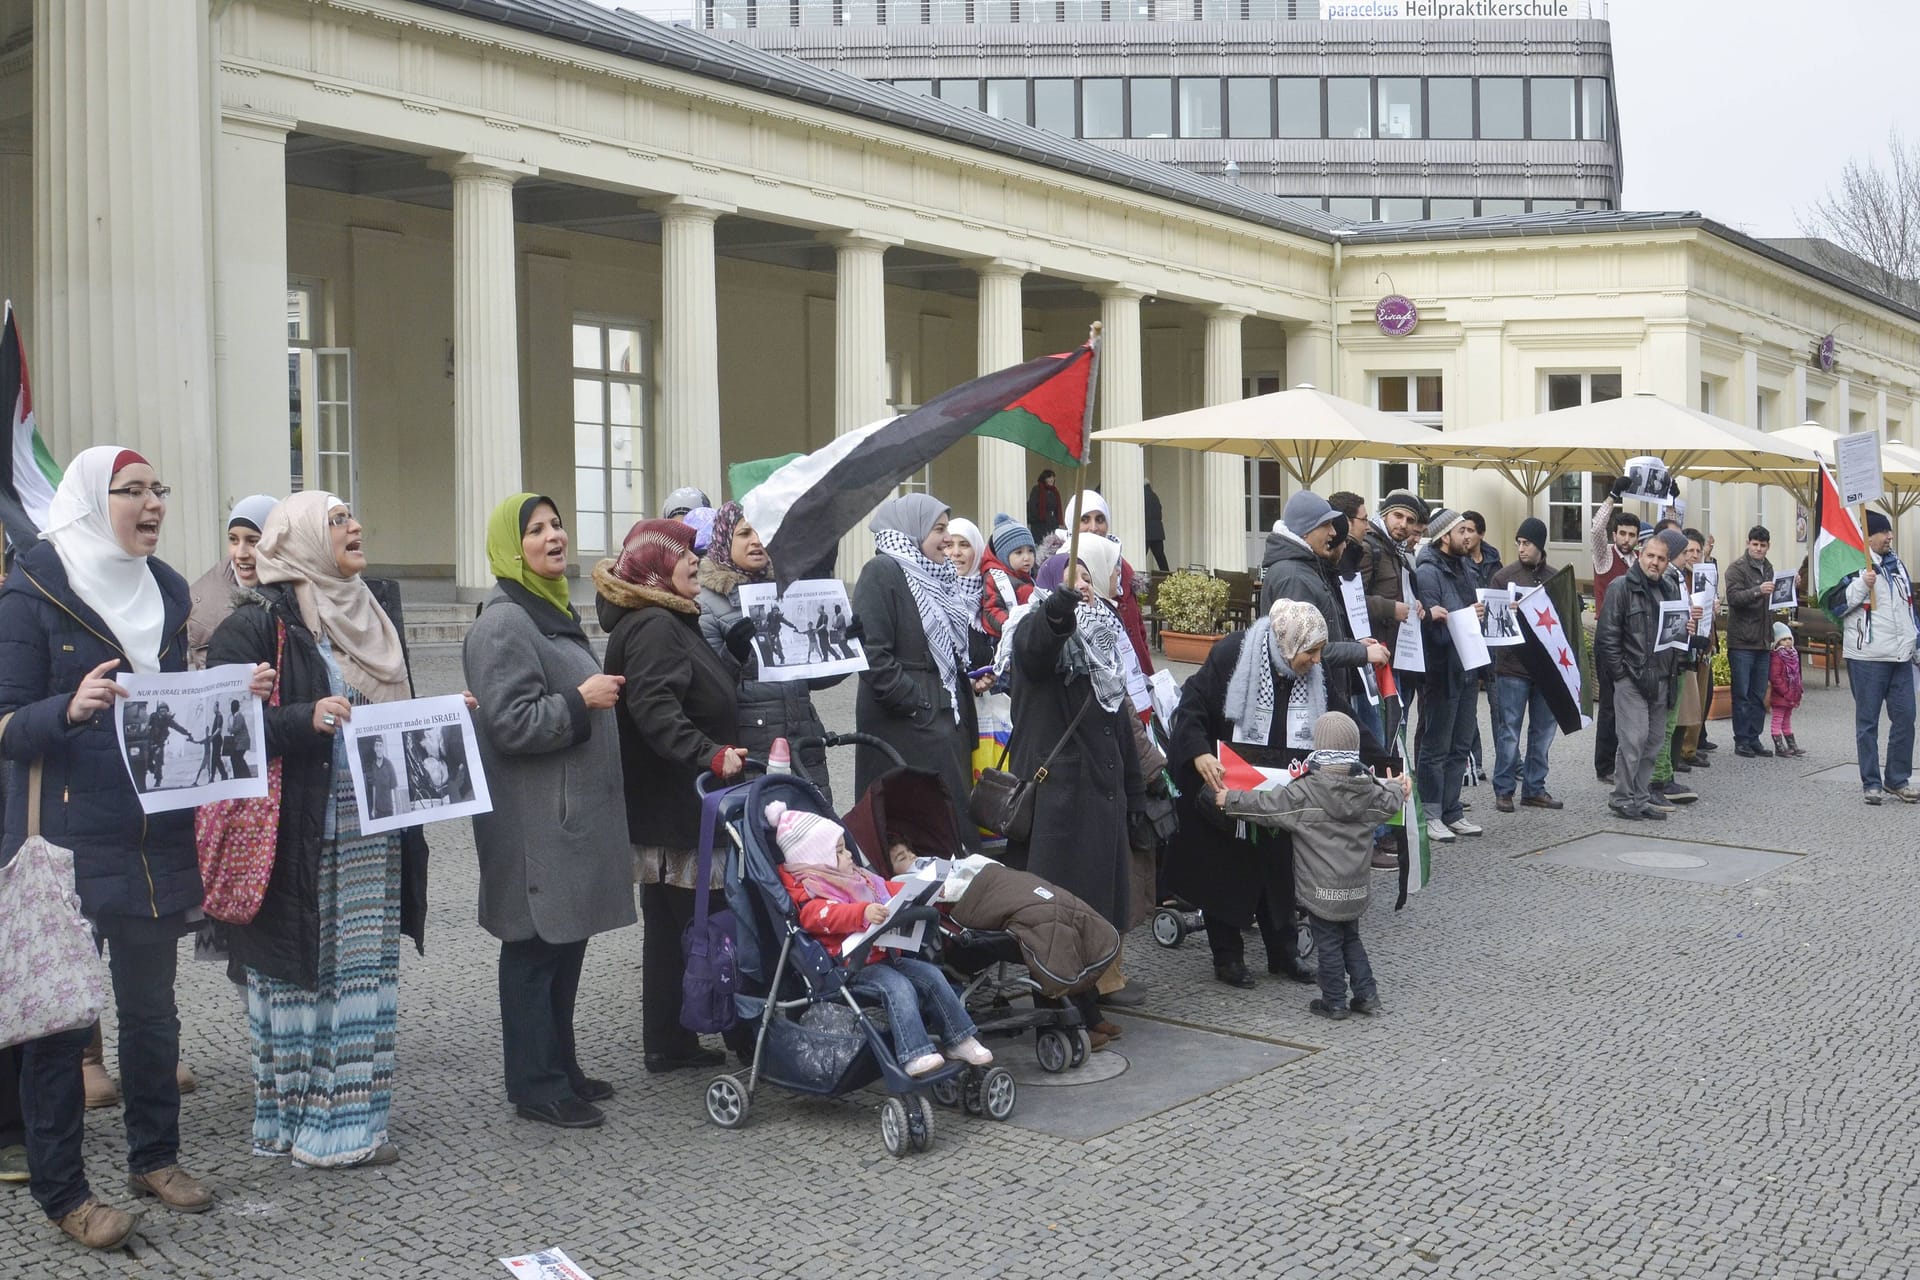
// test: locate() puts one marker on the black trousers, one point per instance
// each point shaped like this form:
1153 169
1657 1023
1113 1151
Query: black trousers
539 983
1273 913
1606 739
1158 550
665 912
13 1128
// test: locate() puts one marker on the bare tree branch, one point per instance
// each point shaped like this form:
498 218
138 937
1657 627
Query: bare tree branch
1870 223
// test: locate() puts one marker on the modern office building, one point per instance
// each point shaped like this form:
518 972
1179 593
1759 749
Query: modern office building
1394 120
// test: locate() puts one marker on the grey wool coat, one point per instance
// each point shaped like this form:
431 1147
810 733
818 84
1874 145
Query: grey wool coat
554 857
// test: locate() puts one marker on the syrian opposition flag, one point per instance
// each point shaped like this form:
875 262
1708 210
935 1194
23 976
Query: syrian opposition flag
802 509
28 475
1839 551
1551 657
1416 852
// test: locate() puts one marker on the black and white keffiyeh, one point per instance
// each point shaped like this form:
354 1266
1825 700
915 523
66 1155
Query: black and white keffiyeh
942 605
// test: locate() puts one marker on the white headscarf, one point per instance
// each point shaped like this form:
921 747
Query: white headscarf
119 587
1088 500
960 527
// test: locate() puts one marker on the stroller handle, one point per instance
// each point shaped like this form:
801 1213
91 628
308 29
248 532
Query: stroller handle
855 740
905 920
706 784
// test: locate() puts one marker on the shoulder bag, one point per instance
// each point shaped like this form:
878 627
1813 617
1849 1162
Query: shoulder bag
237 838
1002 803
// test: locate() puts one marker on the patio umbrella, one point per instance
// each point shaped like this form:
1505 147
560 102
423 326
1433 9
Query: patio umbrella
1303 428
1899 469
1601 436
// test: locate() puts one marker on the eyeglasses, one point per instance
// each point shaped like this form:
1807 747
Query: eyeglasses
339 519
141 492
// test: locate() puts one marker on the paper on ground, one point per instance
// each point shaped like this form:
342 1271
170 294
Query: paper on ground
548 1264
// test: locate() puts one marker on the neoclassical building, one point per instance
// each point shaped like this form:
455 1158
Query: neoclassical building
426 253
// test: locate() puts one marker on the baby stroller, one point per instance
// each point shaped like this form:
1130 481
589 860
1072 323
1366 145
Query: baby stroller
912 805
814 1037
1175 920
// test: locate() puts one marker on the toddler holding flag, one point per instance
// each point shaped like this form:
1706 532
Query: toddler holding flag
1332 811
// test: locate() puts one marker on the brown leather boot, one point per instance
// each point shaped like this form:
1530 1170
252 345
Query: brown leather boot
98 1226
173 1187
100 1089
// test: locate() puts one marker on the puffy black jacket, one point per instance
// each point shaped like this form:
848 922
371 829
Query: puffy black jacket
126 863
1293 572
1629 628
1446 582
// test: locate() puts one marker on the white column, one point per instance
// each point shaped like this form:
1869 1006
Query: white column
121 353
1797 395
689 435
486 358
1123 467
1224 475
1003 465
250 304
1842 406
1310 356
860 388
16 233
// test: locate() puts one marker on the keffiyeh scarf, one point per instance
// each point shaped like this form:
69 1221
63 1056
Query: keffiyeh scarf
938 597
1251 693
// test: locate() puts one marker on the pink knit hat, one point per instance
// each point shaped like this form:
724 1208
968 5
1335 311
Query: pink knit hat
806 839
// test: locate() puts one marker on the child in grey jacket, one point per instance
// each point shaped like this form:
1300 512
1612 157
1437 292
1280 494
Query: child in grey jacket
1332 811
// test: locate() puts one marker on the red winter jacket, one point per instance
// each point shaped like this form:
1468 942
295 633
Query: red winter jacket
994 602
1783 677
829 921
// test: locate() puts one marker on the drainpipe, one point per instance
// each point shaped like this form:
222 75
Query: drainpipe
1333 326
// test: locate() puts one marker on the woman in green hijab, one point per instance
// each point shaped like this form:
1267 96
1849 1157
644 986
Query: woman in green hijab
555 867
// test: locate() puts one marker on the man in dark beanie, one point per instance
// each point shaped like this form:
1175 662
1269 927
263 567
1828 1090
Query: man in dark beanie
1876 611
1449 717
1626 645
1749 639
1388 566
1514 696
1301 553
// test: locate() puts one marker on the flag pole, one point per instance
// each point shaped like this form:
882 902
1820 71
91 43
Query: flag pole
1086 447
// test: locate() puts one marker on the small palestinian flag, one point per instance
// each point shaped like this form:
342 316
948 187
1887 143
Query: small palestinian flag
1839 550
1551 656
28 475
802 509
1416 854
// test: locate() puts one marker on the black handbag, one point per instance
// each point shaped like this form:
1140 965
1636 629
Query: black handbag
1002 803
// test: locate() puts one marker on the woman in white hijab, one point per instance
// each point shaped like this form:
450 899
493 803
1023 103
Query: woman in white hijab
214 590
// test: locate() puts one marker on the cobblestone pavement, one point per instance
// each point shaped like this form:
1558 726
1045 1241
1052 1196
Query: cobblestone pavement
1581 1074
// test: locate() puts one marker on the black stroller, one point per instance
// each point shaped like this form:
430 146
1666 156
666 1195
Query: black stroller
813 1036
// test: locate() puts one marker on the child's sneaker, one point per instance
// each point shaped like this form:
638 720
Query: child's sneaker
971 1052
1367 1006
1336 1012
925 1064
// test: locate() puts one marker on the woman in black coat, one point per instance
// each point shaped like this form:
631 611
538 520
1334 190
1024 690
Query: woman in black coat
1244 876
678 719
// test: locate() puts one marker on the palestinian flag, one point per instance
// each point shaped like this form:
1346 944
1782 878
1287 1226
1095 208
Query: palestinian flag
742 477
1416 853
802 509
1551 654
1277 768
1839 550
27 471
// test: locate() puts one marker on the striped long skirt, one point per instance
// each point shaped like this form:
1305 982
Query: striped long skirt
323 1059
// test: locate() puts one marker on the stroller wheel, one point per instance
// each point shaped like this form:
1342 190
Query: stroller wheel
1054 1050
727 1104
1169 930
1000 1092
893 1127
1082 1048
920 1122
946 1092
972 1097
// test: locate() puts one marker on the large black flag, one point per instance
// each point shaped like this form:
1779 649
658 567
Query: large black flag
1552 649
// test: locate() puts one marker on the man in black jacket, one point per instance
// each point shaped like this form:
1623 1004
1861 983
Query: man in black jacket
1624 647
1449 716
1514 696
1749 638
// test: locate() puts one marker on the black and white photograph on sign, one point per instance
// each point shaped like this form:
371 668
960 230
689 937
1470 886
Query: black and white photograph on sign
801 634
1706 577
1673 624
1786 593
1500 628
1647 478
192 737
414 762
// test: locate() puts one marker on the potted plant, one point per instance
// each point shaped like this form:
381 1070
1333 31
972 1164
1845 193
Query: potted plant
1720 707
1191 609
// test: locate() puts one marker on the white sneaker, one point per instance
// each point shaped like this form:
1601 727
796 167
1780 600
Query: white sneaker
1438 831
971 1052
1465 828
925 1064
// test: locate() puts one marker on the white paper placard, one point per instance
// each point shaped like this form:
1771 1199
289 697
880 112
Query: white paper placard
1501 627
548 1264
1353 594
192 737
801 634
1703 600
1786 593
1672 632
1857 459
1464 626
1409 646
414 762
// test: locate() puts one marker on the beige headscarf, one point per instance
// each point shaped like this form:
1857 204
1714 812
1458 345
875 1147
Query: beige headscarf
296 547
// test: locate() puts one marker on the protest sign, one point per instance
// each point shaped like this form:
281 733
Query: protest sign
1785 590
1857 459
1409 646
192 737
414 762
1463 625
1673 625
1500 628
801 634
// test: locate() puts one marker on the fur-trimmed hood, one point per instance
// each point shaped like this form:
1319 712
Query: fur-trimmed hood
618 597
721 580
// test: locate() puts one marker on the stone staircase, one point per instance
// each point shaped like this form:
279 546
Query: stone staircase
434 621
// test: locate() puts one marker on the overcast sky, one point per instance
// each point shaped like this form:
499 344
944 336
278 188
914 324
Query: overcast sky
1745 111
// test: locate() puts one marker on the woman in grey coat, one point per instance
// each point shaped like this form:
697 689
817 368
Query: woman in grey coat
917 611
554 861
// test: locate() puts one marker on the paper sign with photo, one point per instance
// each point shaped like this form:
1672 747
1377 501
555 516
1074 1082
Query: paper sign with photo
1647 478
1463 625
914 891
802 634
414 762
1786 593
1706 577
1353 594
1409 646
1673 625
548 1264
192 737
1501 627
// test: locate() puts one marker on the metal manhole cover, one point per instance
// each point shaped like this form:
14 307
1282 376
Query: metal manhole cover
1691 861
1104 1065
1665 861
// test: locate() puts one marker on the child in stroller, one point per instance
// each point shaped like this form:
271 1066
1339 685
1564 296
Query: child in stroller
837 899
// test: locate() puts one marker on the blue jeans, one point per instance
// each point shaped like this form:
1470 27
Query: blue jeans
53 1101
1515 697
906 986
1875 684
1749 689
1447 726
1337 951
1367 716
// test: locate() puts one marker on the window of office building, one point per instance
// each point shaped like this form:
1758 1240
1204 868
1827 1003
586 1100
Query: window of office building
1083 10
1249 107
1450 207
993 10
1349 108
1359 208
1503 108
1102 110
1573 498
1400 115
1500 207
1151 101
1053 105
915 86
1401 209
1552 108
1450 107
609 431
1007 100
1299 108
1200 108
816 13
1552 206
1593 110
1039 11
963 93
